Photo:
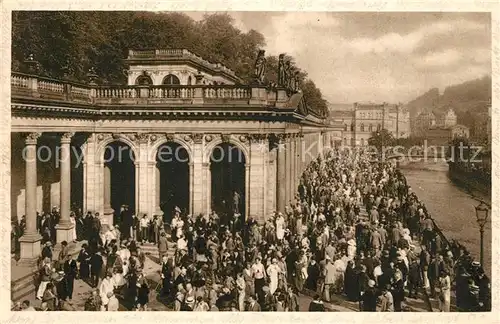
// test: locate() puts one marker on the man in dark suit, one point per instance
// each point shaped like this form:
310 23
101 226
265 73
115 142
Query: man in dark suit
70 271
253 306
96 263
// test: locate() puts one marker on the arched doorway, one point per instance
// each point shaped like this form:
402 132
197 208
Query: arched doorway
119 178
227 168
171 79
172 162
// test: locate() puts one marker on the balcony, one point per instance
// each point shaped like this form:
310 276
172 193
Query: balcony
31 87
175 54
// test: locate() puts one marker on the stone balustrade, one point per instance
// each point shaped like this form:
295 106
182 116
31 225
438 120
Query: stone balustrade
176 53
31 86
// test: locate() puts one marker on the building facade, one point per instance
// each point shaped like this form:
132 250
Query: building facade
106 144
363 119
441 136
431 119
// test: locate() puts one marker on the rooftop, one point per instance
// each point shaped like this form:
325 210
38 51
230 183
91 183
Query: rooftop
174 55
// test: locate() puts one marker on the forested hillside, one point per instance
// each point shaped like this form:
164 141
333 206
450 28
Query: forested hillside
68 43
468 100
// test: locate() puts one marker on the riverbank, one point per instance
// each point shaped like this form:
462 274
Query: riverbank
472 185
452 208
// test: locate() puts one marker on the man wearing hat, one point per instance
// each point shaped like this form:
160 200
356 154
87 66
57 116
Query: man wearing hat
368 302
484 291
329 273
387 304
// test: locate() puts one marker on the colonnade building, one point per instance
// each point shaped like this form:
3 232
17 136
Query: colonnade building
183 132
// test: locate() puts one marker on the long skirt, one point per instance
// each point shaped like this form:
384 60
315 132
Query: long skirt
444 302
84 270
41 289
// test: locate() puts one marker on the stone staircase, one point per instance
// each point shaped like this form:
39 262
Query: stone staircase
24 277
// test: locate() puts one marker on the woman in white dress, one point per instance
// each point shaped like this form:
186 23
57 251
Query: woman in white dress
107 286
273 271
444 291
73 221
280 227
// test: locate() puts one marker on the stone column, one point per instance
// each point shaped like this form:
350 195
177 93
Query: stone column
288 154
293 167
108 211
197 187
257 177
320 144
158 191
30 241
64 229
281 176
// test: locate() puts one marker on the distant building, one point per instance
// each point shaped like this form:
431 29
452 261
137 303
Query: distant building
363 119
441 136
433 119
459 131
449 119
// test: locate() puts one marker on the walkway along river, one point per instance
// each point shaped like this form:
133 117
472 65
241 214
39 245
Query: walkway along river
452 207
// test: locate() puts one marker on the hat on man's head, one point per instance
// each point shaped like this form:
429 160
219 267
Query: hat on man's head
371 283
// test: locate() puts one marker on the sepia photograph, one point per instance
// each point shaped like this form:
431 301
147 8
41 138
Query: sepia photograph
244 161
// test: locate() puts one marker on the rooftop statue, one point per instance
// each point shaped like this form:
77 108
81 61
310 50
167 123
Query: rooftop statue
260 67
281 71
287 74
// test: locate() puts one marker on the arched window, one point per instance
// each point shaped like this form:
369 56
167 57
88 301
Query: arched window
352 127
362 128
189 80
362 142
353 142
171 79
345 127
345 140
378 127
143 79
370 128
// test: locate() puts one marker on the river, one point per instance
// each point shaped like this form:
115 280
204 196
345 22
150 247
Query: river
451 206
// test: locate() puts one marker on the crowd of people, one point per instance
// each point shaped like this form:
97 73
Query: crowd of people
355 231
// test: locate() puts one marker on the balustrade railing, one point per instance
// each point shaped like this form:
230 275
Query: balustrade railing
25 85
225 92
19 81
116 92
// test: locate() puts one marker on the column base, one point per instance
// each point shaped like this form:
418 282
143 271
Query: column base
31 249
65 232
107 218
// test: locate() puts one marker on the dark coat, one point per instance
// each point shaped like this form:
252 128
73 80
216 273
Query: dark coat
369 300
317 306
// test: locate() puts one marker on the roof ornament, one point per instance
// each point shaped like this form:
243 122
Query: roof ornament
259 69
92 76
31 65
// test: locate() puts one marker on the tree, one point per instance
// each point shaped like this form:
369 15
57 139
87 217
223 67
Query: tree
68 43
381 138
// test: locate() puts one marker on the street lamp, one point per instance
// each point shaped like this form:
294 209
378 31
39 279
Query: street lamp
482 216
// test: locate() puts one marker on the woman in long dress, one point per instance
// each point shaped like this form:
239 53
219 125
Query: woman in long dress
444 291
280 227
273 271
84 260
73 221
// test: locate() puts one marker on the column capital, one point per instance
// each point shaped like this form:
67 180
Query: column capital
32 138
66 137
257 138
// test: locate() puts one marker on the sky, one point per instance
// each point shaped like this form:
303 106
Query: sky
372 56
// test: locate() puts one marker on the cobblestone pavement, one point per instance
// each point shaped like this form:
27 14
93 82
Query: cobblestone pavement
152 269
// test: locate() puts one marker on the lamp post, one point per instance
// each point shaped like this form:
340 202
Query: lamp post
482 216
